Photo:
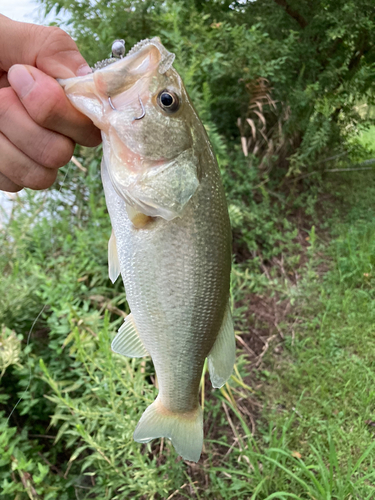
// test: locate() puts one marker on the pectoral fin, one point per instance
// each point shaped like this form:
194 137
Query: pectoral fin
223 353
128 342
138 219
113 262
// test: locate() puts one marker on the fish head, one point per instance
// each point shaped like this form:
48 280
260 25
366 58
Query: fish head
149 127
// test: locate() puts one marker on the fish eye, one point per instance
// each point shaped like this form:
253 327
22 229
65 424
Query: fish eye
168 101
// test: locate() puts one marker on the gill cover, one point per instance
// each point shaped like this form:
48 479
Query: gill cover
149 181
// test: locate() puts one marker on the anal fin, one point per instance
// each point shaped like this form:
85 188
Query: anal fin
222 356
127 341
113 261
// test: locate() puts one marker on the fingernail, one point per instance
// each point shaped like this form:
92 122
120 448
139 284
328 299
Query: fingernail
84 70
20 79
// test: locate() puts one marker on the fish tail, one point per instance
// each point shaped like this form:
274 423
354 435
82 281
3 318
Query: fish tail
185 430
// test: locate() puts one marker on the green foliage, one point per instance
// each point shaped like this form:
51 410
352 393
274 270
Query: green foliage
332 373
282 83
286 77
273 469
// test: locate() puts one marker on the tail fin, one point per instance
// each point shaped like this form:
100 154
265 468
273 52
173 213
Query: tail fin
185 430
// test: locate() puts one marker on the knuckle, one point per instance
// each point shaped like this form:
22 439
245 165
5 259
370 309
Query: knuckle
7 101
49 35
55 40
48 108
55 35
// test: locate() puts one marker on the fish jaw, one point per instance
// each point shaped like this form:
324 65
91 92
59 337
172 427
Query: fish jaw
90 93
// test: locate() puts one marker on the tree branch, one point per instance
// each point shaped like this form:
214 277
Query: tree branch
293 13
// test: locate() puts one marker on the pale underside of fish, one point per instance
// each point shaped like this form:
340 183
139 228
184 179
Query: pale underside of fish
171 236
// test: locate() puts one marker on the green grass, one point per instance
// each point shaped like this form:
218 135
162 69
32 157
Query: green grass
326 378
71 436
367 138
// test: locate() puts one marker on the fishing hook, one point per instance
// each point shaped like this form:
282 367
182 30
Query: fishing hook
143 110
111 103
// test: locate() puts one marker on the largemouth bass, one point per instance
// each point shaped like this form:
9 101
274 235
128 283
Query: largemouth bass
171 236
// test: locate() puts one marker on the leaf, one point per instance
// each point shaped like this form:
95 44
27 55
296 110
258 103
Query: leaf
76 453
244 146
261 117
252 125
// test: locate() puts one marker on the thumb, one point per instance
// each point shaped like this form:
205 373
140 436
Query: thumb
47 48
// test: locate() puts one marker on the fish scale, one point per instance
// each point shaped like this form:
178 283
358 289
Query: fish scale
171 235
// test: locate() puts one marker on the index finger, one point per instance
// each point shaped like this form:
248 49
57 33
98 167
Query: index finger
47 48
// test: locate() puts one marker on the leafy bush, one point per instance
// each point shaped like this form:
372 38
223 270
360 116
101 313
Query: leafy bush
286 76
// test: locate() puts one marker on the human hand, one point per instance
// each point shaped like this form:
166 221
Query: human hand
38 125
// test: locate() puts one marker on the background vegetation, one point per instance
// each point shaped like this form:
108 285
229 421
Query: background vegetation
285 90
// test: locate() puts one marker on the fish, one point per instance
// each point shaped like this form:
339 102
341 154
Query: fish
171 235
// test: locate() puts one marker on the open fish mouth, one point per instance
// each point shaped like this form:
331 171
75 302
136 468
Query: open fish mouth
141 61
112 78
